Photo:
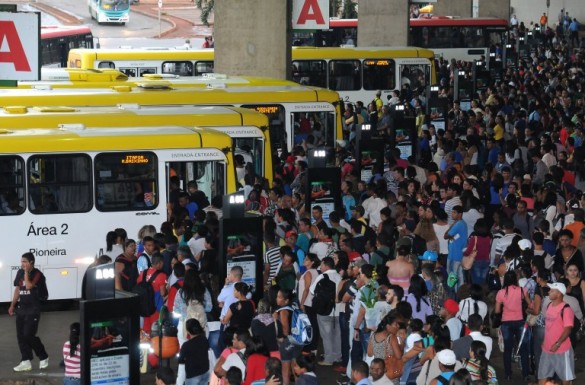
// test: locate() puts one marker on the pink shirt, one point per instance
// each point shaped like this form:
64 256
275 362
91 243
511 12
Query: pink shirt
555 325
72 363
511 303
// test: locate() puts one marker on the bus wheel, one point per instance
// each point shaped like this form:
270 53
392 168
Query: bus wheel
122 23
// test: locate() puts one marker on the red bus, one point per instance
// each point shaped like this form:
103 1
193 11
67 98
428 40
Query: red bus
449 37
57 40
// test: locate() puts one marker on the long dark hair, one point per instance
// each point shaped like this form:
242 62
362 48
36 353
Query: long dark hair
74 331
479 349
192 287
418 288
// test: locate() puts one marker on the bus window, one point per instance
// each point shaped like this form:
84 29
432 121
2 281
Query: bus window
106 64
344 75
310 72
129 71
203 67
126 181
144 71
276 116
59 184
182 68
12 185
379 74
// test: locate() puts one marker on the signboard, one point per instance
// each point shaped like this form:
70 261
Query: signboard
248 264
310 14
19 45
323 185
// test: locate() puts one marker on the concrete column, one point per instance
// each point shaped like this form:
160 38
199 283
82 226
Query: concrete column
251 38
461 8
495 8
383 23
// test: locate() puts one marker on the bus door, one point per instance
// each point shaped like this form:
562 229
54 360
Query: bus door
314 127
415 73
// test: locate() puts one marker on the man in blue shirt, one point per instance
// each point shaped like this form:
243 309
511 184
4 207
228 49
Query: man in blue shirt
457 237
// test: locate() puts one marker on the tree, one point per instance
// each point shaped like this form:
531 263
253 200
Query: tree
334 7
349 10
206 7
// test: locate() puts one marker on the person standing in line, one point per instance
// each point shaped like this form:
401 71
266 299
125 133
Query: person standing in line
26 305
72 356
557 353
457 236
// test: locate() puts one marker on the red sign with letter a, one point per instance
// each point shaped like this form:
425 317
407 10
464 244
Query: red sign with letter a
19 46
310 14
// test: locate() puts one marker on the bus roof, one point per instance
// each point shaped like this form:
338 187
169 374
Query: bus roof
152 53
49 31
131 115
86 139
446 21
145 96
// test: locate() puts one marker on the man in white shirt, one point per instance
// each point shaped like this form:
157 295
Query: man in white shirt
373 205
378 373
330 332
461 346
241 340
500 245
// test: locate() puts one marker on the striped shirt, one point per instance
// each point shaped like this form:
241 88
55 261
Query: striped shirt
272 258
72 363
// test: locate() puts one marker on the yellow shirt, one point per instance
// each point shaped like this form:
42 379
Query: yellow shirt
498 132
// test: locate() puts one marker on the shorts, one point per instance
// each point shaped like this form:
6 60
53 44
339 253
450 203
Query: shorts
563 364
289 351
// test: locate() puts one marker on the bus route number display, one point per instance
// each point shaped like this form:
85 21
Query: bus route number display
135 159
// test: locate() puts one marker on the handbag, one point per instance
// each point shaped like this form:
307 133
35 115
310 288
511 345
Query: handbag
496 320
394 366
467 261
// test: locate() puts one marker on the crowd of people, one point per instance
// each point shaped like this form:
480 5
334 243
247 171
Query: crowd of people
473 243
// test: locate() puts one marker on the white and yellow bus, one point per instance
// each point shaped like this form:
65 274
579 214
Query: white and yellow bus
248 129
296 113
62 190
356 73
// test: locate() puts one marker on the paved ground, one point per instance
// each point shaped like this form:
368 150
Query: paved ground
54 329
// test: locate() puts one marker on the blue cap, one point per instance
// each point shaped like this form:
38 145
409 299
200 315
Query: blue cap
429 255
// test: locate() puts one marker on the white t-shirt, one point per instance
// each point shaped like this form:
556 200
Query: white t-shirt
410 341
234 360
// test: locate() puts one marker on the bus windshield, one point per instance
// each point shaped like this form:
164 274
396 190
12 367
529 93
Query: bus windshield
114 5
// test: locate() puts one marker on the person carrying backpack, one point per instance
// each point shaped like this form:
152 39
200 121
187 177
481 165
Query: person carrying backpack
288 350
155 292
26 305
323 290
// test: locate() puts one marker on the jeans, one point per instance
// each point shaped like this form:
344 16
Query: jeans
455 267
537 339
344 328
214 342
512 332
312 314
71 380
331 336
479 272
202 379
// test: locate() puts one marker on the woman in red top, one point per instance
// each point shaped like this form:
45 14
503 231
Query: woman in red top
480 240
256 361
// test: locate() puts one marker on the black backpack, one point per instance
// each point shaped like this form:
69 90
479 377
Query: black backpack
145 293
42 291
324 298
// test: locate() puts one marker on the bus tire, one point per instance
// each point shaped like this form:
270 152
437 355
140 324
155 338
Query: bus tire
123 23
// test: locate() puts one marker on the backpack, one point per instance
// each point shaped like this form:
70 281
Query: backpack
324 298
301 331
145 292
42 291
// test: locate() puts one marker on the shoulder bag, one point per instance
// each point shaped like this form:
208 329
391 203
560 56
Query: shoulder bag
394 366
467 261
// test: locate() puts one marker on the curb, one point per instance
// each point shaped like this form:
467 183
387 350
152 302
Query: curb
173 27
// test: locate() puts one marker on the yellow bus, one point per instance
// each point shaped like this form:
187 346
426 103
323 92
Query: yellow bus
248 129
62 190
356 73
297 114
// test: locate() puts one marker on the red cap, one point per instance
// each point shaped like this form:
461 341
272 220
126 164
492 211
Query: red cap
451 306
290 233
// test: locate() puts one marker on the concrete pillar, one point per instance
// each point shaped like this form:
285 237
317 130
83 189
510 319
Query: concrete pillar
495 8
252 38
383 23
461 8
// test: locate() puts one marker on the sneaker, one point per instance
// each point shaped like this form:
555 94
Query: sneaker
44 363
325 363
23 366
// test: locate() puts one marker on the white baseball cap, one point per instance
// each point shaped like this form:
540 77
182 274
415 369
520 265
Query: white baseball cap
558 286
447 357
